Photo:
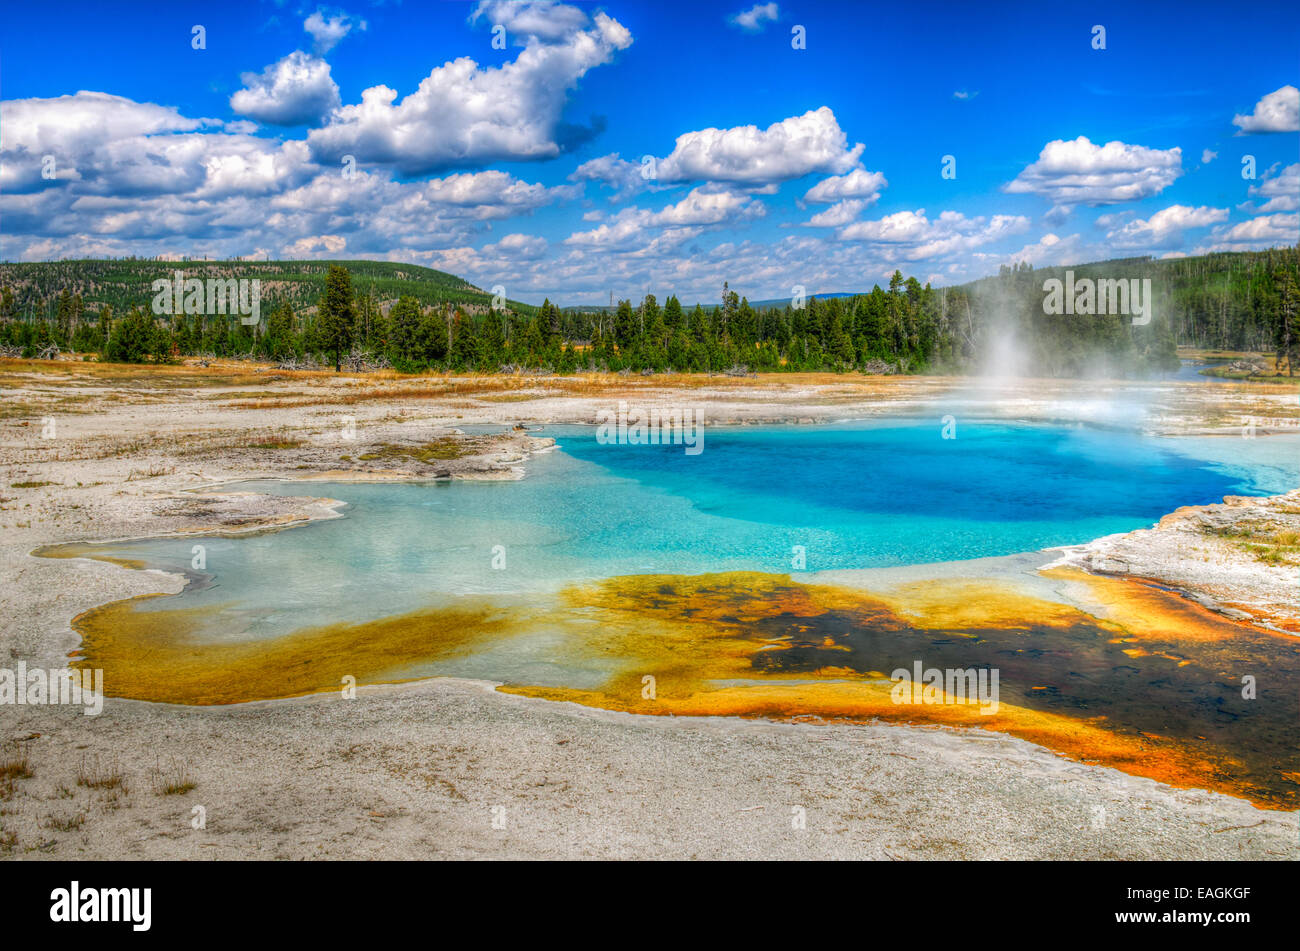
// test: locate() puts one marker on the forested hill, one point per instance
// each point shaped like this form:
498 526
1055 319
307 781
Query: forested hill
125 283
1223 301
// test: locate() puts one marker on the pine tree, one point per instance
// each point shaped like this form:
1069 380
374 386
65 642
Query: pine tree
63 330
404 330
337 314
551 323
1288 317
492 342
277 342
105 327
624 325
673 313
464 342
135 339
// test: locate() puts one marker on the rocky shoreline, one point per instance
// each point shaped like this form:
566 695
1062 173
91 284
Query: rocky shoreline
1237 557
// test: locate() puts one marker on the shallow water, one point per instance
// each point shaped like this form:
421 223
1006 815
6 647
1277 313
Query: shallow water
1192 371
854 496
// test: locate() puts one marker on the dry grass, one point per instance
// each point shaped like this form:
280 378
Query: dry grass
513 397
273 442
173 779
153 472
93 774
22 372
1192 353
445 448
253 386
65 823
115 448
15 764
19 410
497 388
352 395
1269 542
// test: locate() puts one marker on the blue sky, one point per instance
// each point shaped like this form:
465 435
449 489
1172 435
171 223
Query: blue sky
632 146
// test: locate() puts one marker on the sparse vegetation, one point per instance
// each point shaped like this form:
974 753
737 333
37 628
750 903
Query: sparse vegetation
173 779
93 774
15 764
1269 542
65 823
153 472
446 448
274 442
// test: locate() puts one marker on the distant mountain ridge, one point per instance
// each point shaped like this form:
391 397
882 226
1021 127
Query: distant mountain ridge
125 283
756 304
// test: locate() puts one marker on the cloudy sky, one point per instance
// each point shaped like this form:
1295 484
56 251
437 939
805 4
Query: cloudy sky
571 150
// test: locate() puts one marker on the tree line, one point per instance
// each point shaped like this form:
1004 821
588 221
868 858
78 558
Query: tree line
1234 301
901 328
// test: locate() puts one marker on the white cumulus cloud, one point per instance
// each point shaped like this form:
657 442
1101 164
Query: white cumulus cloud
463 114
543 20
298 90
857 184
143 179
1279 111
1049 250
327 31
1165 227
305 247
73 129
915 236
1079 172
1269 229
625 178
755 18
1282 189
748 155
838 214
705 206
